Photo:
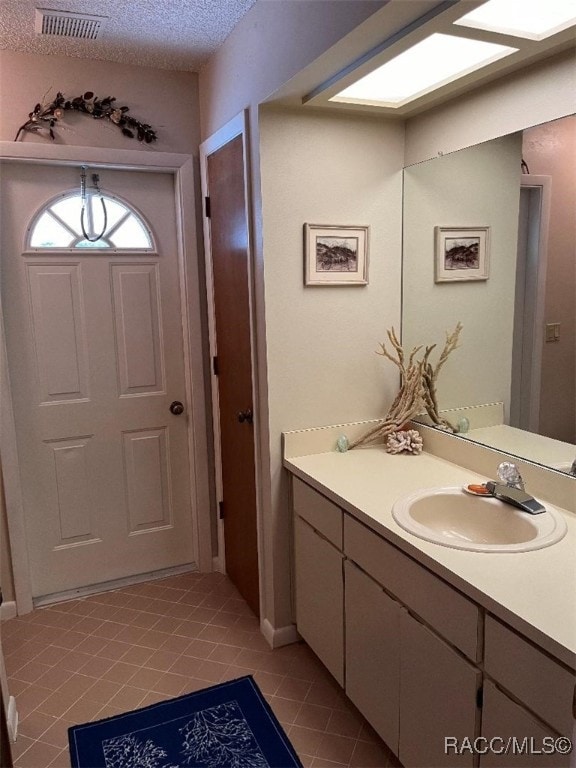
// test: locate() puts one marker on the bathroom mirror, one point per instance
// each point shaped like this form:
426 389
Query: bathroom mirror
513 377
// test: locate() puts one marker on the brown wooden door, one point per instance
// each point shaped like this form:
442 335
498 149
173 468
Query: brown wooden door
229 245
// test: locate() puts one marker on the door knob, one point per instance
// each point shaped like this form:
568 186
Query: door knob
176 408
246 416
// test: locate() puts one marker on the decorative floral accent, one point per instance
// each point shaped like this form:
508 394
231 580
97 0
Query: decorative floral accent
44 117
404 441
217 737
220 737
130 752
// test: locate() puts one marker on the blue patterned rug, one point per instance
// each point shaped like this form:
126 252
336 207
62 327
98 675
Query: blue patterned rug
229 725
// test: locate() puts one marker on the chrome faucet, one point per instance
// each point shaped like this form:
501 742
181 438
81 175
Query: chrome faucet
509 474
510 489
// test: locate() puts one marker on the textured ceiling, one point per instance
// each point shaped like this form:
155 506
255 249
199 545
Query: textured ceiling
167 34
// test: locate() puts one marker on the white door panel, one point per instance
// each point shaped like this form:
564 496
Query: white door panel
95 352
137 328
59 331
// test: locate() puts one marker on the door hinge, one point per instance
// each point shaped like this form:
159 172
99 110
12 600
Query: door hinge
480 698
207 207
215 369
221 509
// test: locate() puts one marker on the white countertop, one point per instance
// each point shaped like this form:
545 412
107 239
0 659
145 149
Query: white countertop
543 450
535 591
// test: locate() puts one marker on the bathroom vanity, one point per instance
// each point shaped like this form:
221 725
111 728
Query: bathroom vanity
449 654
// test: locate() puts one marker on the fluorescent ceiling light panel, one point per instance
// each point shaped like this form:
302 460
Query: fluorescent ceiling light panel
435 61
532 19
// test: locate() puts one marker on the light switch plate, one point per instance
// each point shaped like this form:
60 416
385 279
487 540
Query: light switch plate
552 332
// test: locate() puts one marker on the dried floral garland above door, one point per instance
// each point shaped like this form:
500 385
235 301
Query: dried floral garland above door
44 117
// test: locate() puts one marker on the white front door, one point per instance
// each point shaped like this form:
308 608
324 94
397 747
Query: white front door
95 350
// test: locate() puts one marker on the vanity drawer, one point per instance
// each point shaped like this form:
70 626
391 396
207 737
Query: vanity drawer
542 684
322 514
451 614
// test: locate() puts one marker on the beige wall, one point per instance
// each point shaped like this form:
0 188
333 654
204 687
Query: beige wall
166 100
550 150
322 366
479 186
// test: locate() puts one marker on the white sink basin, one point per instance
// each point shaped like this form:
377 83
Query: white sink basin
453 518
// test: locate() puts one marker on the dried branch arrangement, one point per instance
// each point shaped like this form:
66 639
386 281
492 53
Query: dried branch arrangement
430 377
417 387
408 401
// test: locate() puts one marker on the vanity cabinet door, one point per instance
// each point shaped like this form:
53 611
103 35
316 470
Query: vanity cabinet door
324 516
513 737
320 596
531 676
372 652
438 693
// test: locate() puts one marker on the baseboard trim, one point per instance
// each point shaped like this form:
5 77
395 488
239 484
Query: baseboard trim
8 610
12 719
276 638
108 586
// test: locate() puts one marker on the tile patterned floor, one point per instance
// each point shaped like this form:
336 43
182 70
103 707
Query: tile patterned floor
102 655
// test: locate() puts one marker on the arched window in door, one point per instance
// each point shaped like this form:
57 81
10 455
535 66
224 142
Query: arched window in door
58 225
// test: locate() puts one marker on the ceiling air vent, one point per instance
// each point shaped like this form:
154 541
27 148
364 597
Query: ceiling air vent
81 26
